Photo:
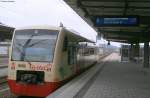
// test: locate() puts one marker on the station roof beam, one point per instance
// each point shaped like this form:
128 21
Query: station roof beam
139 8
6 32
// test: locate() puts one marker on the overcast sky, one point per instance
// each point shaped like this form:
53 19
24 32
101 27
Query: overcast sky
43 12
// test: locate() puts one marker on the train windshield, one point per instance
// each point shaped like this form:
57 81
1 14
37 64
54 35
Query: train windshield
34 45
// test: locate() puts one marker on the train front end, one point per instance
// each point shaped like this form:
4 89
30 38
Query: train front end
31 62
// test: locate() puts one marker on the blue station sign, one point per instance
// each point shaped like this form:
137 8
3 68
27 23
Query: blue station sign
116 21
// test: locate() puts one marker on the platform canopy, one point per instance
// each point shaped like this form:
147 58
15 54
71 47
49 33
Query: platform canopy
112 14
6 32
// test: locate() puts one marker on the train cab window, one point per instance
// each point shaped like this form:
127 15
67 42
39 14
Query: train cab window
34 45
72 55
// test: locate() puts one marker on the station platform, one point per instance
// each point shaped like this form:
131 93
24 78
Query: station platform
110 78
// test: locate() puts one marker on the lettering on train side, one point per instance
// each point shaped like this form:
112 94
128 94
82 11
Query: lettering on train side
22 65
42 68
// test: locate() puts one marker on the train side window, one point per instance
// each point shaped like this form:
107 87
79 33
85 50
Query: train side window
86 52
69 56
92 51
72 55
65 44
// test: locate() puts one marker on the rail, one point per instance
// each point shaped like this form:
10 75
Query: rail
3 80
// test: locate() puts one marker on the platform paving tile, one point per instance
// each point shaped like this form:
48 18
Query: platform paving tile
120 80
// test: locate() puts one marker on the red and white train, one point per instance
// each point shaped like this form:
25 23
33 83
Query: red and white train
42 58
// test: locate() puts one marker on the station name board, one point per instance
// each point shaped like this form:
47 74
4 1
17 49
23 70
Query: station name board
116 21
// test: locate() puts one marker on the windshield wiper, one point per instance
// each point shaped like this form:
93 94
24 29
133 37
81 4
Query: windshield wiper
24 57
36 43
28 41
23 47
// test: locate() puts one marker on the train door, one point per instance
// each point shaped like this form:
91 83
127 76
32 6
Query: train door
72 57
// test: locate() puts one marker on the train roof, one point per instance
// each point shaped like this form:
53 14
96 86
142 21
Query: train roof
72 34
39 27
75 36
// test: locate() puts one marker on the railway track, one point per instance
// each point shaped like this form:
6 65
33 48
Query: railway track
3 83
4 90
3 80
